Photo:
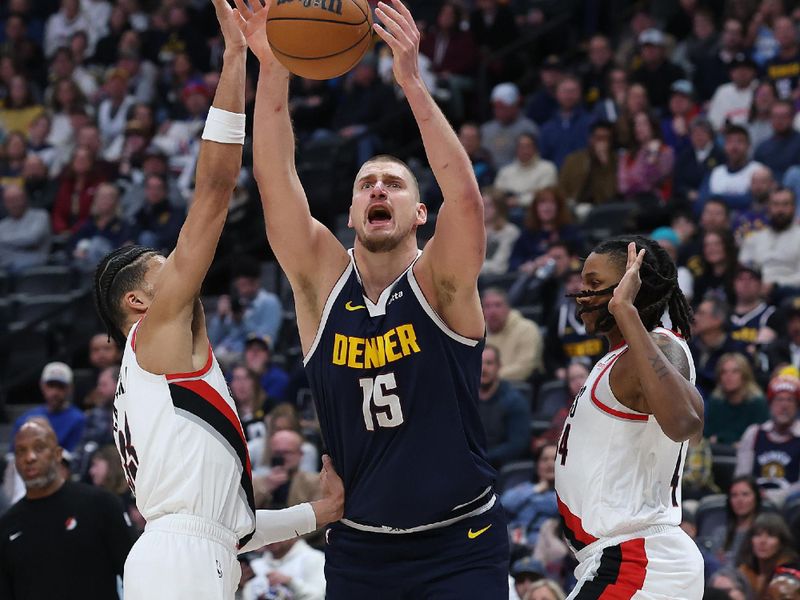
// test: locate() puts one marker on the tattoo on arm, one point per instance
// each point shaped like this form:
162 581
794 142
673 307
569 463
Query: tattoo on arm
673 353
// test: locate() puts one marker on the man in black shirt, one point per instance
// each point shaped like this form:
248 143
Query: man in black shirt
62 540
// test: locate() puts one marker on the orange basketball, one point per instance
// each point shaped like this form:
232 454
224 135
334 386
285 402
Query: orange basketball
319 39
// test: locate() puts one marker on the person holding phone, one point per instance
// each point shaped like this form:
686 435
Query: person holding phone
285 484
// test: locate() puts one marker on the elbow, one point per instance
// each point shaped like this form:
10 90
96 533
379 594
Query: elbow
686 428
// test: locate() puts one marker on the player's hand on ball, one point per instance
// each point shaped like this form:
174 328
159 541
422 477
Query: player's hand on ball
229 20
400 32
331 507
253 25
628 286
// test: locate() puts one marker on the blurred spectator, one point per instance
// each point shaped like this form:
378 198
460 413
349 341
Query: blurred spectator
103 232
730 583
784 68
785 350
710 341
782 149
566 334
770 452
41 190
516 338
112 114
78 531
544 589
595 72
249 399
694 163
628 45
540 283
365 101
38 139
492 25
158 222
731 181
63 67
504 412
718 262
470 135
24 232
292 565
453 56
526 571
762 184
589 176
542 104
697 479
501 133
635 102
681 111
715 216
759 123
61 25
742 506
77 186
736 402
712 70
527 174
105 52
785 583
656 73
609 107
142 75
645 169
751 314
272 378
106 471
311 105
702 42
283 417
732 101
576 373
568 128
760 33
768 545
12 157
67 102
528 505
153 162
67 421
20 108
500 233
547 220
99 430
284 484
178 137
20 46
775 250
249 310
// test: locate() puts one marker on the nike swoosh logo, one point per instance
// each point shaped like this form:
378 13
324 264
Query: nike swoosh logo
14 536
349 306
473 534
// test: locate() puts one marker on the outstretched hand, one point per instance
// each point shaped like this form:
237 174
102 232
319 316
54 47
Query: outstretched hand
400 32
252 21
628 286
331 506
229 20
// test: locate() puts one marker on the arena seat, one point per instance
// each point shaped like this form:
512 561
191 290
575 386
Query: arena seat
607 220
44 280
710 514
723 468
552 396
791 509
35 308
515 473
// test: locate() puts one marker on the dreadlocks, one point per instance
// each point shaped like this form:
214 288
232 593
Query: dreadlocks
659 289
119 272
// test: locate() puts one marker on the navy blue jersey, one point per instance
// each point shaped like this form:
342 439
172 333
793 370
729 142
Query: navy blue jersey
745 328
775 465
396 393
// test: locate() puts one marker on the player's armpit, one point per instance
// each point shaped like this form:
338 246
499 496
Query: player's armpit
673 353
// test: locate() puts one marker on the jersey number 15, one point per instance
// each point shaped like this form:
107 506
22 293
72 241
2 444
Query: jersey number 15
380 405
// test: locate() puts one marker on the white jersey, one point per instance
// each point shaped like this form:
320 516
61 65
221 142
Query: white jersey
182 445
617 472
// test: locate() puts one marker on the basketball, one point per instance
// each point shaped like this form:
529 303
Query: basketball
319 39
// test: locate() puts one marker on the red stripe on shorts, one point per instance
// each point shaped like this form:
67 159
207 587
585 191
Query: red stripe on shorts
632 572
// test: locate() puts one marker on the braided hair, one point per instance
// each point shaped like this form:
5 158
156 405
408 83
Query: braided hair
118 273
659 289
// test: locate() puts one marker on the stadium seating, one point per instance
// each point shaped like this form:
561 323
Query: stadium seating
515 473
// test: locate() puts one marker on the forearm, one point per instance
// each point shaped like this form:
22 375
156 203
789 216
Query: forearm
273 140
447 158
278 525
671 398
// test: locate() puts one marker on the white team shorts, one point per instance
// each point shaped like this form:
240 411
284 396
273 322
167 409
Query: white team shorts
182 557
663 564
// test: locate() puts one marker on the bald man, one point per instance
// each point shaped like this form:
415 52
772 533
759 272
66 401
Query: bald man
62 540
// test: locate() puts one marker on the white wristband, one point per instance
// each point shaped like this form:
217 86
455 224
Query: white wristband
224 127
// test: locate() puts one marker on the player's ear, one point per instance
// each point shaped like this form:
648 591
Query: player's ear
422 213
136 300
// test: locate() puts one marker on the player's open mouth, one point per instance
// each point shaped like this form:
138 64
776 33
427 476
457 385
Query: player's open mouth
378 214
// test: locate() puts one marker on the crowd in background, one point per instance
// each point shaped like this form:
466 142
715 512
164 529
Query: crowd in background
676 120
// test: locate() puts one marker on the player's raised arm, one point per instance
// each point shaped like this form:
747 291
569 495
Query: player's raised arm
305 249
218 165
455 254
661 366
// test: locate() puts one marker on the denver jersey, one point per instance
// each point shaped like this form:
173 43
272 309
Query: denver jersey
745 328
396 393
182 445
616 471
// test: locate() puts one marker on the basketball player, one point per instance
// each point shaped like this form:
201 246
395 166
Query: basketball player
392 340
623 445
176 428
